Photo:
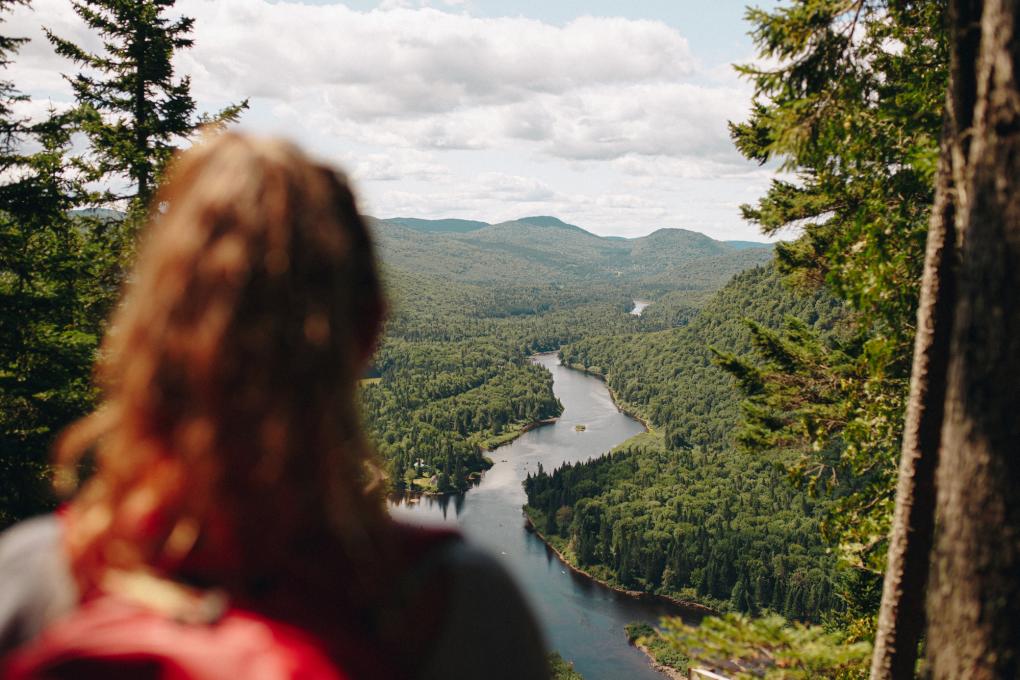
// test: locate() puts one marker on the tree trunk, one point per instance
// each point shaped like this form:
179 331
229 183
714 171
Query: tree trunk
901 619
974 596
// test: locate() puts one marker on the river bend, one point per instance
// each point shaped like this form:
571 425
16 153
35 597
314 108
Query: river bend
581 619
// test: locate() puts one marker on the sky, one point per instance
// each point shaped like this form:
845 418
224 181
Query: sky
609 115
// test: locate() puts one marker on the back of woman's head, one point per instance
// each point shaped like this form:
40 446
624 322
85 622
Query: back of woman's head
230 370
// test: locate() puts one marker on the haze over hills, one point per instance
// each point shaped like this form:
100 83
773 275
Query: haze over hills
546 250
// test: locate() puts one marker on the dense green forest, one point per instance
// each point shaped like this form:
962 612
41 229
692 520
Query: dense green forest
682 511
435 406
669 377
471 301
709 527
452 377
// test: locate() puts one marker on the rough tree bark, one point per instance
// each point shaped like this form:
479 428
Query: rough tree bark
974 595
901 618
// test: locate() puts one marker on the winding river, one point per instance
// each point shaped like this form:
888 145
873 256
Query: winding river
582 620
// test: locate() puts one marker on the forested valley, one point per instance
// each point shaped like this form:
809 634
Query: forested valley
681 511
452 377
774 380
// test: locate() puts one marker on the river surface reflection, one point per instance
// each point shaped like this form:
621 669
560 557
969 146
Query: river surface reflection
582 620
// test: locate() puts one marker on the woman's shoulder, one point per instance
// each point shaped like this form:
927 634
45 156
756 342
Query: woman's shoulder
38 587
489 629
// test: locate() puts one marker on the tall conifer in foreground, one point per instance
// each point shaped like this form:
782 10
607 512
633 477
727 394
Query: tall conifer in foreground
134 110
852 102
51 294
61 267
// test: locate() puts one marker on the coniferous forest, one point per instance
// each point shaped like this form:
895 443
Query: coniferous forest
682 511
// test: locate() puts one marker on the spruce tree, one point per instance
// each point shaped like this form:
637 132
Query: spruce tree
52 293
9 96
852 100
135 111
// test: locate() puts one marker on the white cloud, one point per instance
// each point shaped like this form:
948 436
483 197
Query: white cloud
408 62
397 165
424 78
399 94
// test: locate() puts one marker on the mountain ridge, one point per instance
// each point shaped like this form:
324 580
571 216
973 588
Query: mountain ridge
542 250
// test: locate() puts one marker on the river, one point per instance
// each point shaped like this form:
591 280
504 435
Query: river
581 619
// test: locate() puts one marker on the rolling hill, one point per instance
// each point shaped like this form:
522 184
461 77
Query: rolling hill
545 250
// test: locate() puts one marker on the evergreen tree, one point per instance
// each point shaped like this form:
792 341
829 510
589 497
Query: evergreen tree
854 107
9 96
134 110
52 295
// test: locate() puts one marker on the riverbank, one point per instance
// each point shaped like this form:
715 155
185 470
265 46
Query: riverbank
493 443
426 488
529 524
621 405
668 671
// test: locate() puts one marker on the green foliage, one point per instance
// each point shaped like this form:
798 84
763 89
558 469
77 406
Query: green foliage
436 403
54 291
662 650
10 126
58 275
681 511
61 259
814 393
559 669
132 108
769 647
669 377
707 526
636 631
852 104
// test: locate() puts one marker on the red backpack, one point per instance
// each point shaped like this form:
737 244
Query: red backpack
110 637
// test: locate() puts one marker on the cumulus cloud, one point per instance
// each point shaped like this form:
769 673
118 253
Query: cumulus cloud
409 62
397 91
397 165
592 89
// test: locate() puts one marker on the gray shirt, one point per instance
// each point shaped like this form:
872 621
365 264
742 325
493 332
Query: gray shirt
35 584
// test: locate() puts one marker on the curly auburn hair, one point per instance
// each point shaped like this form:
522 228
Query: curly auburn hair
229 372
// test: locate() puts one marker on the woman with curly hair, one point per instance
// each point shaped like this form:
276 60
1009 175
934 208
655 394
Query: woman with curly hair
233 522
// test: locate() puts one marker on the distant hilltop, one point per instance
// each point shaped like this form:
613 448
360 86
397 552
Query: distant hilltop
460 226
543 250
